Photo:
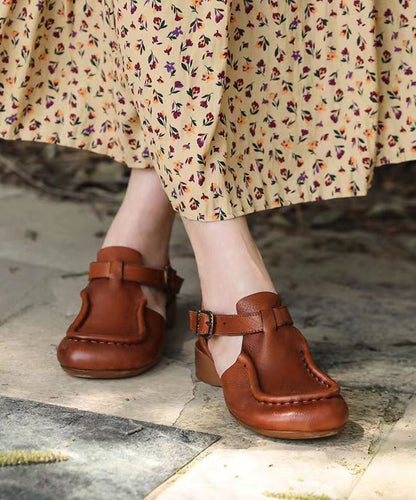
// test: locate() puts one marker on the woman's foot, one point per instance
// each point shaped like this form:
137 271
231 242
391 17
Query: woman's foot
273 387
115 333
144 223
270 382
230 267
120 327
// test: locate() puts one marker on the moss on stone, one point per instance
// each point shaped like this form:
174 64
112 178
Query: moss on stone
30 457
295 496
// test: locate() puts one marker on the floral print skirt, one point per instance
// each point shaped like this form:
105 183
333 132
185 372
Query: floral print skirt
240 105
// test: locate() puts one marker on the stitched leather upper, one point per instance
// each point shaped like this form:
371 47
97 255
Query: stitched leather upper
114 328
274 383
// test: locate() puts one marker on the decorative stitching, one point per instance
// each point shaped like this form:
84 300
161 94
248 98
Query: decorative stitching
241 315
271 403
294 402
309 370
244 332
104 342
302 401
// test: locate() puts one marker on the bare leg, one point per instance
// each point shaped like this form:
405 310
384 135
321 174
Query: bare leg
230 267
144 222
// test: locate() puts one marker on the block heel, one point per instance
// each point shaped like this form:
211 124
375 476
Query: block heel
205 369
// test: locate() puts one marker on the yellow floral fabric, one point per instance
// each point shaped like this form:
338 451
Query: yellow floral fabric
240 105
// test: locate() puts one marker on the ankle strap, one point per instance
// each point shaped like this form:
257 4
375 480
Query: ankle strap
205 323
162 278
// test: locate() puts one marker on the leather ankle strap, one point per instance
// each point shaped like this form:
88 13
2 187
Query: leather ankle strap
161 278
206 323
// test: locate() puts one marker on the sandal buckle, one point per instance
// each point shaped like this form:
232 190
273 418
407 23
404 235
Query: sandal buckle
210 323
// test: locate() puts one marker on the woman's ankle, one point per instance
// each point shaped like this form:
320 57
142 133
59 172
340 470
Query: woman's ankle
229 263
144 223
220 292
230 267
154 257
225 350
225 279
144 219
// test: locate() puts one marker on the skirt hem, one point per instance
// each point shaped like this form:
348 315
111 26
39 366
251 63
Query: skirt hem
225 214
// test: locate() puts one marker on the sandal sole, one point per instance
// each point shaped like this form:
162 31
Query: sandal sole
290 434
108 374
205 372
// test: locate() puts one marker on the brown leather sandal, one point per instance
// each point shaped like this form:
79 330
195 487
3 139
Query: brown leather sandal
274 387
115 334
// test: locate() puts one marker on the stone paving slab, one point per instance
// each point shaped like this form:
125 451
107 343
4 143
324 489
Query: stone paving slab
23 285
257 474
40 231
247 466
392 473
29 370
64 235
107 457
351 294
11 191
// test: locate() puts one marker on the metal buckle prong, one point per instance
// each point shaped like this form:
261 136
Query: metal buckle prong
210 323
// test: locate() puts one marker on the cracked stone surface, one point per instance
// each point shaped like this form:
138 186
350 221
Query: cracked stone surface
397 453
351 294
40 231
122 457
25 286
30 370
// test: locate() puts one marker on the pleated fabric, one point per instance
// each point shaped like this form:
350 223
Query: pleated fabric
240 105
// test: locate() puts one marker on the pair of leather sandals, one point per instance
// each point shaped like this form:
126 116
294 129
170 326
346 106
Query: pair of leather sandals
273 388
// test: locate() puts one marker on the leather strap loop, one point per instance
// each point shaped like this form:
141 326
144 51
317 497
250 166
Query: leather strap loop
162 278
282 316
206 323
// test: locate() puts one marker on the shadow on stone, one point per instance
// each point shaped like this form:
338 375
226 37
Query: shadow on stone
107 456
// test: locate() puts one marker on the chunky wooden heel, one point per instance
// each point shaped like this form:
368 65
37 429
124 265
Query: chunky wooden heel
205 369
